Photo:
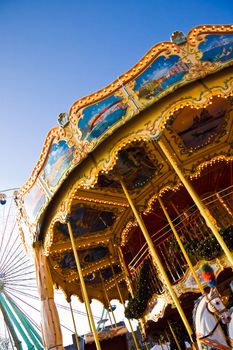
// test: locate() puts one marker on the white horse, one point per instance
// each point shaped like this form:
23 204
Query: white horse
230 325
209 310
230 330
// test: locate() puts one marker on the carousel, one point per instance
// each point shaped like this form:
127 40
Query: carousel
133 195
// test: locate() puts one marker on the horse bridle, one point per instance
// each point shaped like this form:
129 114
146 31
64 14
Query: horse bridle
217 312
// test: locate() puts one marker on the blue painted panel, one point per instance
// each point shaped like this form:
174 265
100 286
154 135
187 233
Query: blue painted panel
59 160
34 201
99 117
163 72
217 48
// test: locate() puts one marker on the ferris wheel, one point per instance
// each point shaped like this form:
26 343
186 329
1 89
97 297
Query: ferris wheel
19 301
18 292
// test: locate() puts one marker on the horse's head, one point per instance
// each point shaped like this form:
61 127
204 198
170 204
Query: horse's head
215 305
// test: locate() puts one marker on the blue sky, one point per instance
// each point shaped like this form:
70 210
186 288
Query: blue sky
54 52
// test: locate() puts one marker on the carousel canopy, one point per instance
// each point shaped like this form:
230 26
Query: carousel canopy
179 91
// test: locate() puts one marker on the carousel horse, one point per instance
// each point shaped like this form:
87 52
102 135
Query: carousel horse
230 330
208 312
230 325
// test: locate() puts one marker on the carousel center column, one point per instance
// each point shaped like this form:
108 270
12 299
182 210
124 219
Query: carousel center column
50 324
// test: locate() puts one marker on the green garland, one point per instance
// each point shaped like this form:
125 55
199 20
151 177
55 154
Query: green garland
137 305
208 248
227 235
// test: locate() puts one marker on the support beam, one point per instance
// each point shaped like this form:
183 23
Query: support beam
50 324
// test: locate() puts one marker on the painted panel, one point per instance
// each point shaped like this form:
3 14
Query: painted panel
97 118
34 200
217 48
87 220
86 257
136 168
163 73
59 160
199 128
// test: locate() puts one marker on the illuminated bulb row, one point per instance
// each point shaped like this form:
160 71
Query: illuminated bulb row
95 267
196 175
127 142
176 187
83 246
89 272
211 162
87 199
111 283
208 28
223 204
125 232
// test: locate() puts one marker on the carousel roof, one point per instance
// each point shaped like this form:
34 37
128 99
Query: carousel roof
180 89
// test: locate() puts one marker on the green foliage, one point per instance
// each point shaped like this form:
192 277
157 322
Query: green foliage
173 244
137 305
208 248
227 235
191 247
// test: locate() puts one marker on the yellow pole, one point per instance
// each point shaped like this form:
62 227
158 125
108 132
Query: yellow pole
160 343
88 317
181 246
75 329
106 296
158 262
210 221
168 340
122 302
122 261
174 336
83 287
